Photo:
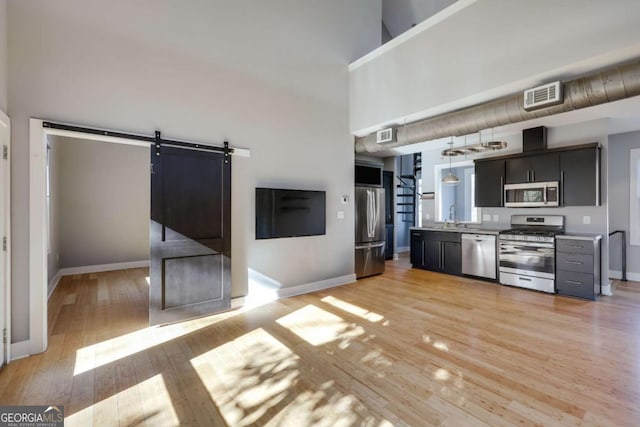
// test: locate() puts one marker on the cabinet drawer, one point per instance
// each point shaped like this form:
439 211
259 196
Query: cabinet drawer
575 246
579 263
444 236
575 284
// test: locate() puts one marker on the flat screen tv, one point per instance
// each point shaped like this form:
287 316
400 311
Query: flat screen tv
289 213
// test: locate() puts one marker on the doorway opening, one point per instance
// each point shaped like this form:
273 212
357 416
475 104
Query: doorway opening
40 133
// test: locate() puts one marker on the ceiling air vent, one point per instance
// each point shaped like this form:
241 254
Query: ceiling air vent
543 96
386 135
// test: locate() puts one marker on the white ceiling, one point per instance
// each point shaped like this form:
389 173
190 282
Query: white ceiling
400 15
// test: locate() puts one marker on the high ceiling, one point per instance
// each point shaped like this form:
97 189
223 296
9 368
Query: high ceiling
400 15
449 62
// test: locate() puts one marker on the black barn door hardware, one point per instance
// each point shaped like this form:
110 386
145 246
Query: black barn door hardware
157 141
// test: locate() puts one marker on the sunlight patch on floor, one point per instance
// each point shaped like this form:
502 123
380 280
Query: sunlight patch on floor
353 309
117 348
376 358
313 409
80 418
156 402
122 407
441 374
441 346
317 326
257 380
249 376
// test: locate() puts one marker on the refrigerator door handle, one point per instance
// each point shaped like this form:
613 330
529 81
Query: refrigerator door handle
374 213
370 246
370 214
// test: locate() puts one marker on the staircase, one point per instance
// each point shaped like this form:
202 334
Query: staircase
407 193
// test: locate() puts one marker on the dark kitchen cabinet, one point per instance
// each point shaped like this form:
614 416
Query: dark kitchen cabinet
489 183
436 251
416 254
580 177
517 170
452 257
536 168
576 168
432 253
578 266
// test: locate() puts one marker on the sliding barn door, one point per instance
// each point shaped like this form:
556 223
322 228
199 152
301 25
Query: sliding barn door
190 236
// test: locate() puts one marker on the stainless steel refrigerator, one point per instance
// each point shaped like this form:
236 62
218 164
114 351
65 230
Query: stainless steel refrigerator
369 231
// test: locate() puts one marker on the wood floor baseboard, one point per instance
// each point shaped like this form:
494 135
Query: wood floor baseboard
263 289
53 284
617 274
103 267
316 286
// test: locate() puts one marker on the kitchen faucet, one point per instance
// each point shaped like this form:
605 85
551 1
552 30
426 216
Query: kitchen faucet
453 216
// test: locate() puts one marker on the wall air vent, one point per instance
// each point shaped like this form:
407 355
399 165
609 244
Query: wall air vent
386 135
543 96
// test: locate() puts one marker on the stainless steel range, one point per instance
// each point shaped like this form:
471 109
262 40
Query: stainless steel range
527 252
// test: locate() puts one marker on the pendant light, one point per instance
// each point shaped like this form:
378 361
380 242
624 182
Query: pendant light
495 145
450 179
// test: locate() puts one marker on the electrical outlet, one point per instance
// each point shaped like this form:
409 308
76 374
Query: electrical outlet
586 219
486 217
344 200
428 216
340 214
496 218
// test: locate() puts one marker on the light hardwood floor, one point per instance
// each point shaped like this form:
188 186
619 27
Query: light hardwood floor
408 347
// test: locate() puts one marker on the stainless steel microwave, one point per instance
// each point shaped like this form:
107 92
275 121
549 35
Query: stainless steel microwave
532 195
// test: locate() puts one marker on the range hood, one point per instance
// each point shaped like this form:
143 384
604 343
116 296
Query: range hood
534 139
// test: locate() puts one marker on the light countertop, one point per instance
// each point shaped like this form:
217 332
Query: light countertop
579 236
459 229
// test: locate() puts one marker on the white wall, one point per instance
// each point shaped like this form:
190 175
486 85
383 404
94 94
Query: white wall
619 148
489 49
103 201
273 82
3 55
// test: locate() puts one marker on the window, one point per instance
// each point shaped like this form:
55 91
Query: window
456 202
634 197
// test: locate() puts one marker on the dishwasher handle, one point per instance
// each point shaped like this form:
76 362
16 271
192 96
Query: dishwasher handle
478 237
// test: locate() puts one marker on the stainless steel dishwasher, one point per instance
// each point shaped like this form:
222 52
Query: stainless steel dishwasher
479 255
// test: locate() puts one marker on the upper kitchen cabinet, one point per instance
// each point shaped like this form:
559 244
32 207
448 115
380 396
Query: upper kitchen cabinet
533 168
489 182
580 177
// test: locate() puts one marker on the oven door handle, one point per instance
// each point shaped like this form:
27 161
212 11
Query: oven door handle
518 245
